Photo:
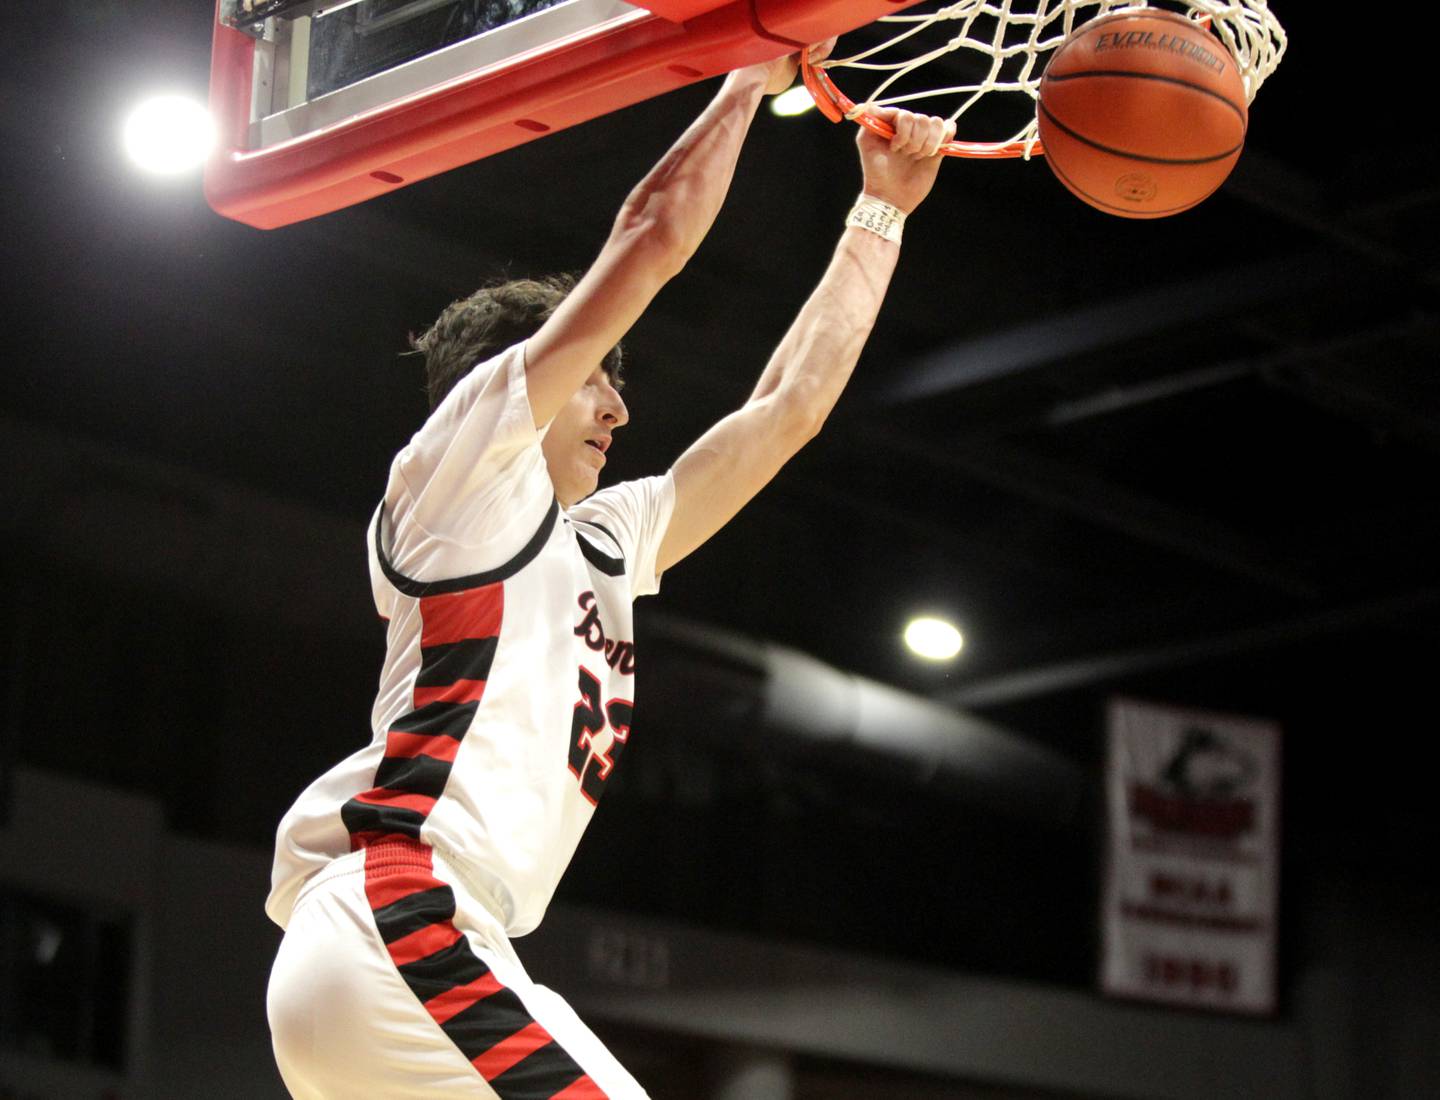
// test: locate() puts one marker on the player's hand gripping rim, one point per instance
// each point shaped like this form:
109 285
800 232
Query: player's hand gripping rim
900 169
910 134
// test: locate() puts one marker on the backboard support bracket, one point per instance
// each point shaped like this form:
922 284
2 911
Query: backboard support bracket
249 16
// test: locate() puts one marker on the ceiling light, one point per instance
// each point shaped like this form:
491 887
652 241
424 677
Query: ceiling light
933 639
169 134
794 102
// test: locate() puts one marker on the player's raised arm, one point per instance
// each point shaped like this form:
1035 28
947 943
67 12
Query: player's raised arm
735 459
658 229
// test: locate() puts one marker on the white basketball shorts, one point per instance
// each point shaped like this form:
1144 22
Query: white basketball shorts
393 981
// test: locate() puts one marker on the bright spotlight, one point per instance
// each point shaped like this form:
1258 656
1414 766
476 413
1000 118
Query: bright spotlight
933 639
169 134
795 101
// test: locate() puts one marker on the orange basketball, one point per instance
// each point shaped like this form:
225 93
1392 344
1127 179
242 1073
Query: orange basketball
1142 113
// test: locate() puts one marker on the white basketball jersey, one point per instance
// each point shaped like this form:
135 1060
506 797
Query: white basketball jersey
508 687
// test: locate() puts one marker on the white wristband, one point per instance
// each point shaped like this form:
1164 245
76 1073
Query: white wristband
880 218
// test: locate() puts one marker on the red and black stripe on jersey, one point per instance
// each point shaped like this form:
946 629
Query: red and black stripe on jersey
414 914
460 630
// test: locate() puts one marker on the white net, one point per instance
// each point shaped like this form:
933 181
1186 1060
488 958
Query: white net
998 46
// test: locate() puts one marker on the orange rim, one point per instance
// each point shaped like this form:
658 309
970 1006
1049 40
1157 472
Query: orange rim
836 106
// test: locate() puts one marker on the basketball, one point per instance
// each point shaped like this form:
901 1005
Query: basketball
1142 113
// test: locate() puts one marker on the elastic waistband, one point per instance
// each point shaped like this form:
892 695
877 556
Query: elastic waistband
388 855
399 853
403 854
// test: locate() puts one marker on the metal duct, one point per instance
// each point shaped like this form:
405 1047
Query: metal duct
862 723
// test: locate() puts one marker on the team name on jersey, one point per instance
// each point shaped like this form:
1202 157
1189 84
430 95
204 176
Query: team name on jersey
618 655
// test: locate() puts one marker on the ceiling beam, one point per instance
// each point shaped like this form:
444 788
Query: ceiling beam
1357 398
1067 488
233 550
1088 671
1061 336
1272 367
1092 498
1270 185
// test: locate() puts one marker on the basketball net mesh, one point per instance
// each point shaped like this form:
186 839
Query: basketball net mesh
1009 44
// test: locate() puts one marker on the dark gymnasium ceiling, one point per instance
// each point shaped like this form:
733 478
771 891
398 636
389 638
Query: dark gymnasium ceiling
1193 460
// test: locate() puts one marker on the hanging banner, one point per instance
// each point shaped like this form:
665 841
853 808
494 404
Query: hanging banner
1192 863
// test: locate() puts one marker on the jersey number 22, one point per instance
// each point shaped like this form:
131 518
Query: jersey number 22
587 764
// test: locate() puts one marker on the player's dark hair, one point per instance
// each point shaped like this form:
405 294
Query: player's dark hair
474 329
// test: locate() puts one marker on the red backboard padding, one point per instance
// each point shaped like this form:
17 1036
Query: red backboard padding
678 11
494 108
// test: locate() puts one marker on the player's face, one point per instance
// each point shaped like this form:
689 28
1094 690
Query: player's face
580 435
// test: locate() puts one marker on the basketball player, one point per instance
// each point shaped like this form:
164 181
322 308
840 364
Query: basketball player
506 697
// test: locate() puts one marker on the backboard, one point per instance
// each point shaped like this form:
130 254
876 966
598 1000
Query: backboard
320 104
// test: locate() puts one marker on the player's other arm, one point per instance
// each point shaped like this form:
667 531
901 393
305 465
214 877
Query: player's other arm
736 458
658 229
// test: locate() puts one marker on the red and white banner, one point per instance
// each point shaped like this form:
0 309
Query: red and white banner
1193 847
